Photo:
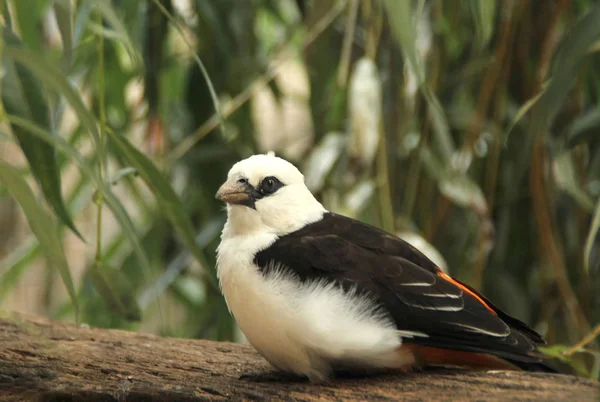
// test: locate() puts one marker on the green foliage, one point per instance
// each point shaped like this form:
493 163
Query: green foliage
167 199
41 224
64 20
589 243
558 352
115 289
483 116
22 96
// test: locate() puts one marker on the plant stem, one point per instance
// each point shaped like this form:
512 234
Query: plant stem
586 339
383 183
101 149
344 65
2 112
548 241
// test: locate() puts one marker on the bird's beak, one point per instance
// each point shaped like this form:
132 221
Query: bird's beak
233 192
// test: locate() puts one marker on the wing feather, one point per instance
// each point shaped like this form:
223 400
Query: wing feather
419 297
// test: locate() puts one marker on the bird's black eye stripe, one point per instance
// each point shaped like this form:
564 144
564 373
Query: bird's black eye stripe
269 185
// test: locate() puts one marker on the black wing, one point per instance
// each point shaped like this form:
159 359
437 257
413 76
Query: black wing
416 293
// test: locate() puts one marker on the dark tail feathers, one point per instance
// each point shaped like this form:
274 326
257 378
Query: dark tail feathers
540 367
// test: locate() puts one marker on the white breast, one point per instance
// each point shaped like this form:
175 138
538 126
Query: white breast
303 328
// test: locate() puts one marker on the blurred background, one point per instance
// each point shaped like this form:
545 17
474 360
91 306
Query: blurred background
468 128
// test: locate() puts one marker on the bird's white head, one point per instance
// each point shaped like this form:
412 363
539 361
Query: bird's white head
265 193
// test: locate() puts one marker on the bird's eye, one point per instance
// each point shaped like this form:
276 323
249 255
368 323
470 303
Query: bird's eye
269 185
243 180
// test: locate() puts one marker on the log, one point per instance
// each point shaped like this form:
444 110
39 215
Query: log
56 361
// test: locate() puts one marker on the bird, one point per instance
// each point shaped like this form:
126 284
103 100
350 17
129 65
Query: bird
315 292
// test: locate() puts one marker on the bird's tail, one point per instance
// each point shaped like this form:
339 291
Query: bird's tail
540 367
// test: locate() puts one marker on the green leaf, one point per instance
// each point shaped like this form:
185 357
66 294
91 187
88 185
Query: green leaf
191 291
80 20
122 173
173 270
115 289
594 228
401 17
571 51
110 16
584 127
15 265
463 191
41 224
554 350
64 19
28 15
17 261
457 187
566 179
523 111
22 96
201 66
6 14
168 200
52 77
557 351
484 16
113 203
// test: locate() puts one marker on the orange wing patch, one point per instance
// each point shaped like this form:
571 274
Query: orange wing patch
465 289
430 356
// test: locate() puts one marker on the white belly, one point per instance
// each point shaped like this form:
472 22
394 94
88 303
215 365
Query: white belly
305 328
263 315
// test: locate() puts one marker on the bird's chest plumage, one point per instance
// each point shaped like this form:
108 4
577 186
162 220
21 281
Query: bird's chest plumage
303 327
263 310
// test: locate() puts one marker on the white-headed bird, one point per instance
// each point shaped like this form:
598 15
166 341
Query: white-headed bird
314 291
